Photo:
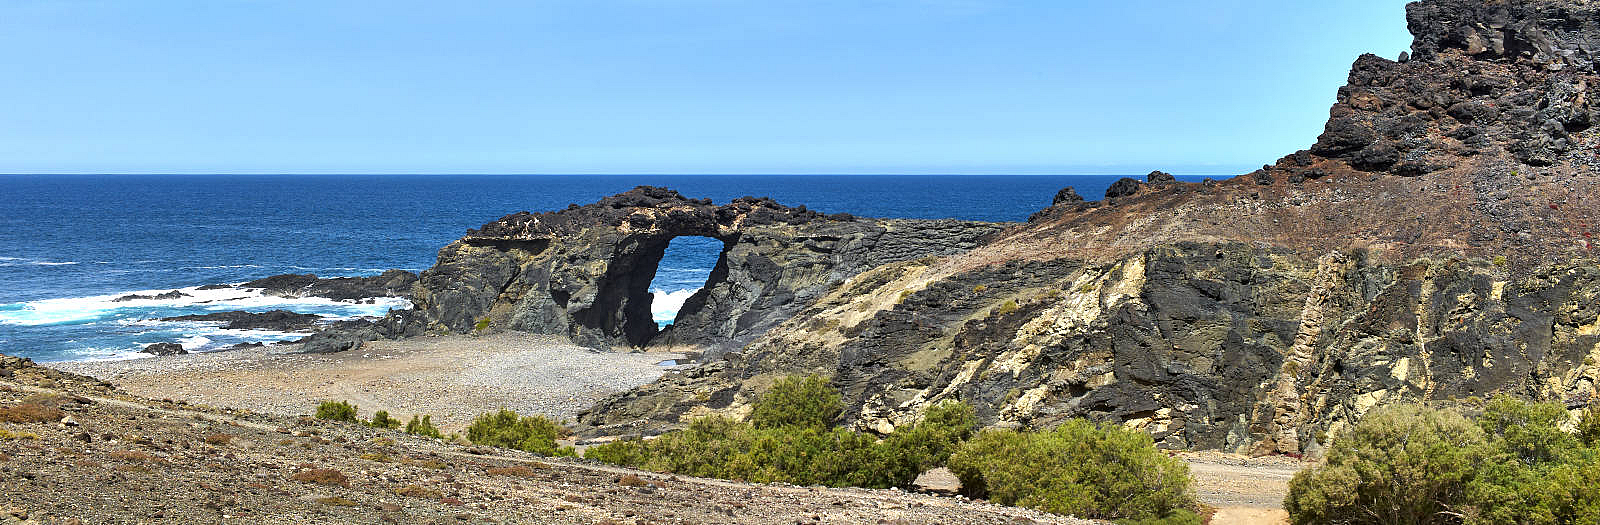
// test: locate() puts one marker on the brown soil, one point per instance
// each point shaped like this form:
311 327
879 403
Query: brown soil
116 458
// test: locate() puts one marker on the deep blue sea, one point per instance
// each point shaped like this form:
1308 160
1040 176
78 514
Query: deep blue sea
71 243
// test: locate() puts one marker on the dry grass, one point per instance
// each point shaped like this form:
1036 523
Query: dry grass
322 476
30 412
630 480
418 491
10 435
219 439
337 501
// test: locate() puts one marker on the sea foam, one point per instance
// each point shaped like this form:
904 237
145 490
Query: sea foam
665 305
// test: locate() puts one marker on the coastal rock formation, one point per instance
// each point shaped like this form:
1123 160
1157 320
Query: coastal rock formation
174 294
164 349
278 320
391 283
584 272
1434 244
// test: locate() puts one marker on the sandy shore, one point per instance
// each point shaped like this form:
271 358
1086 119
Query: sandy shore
452 378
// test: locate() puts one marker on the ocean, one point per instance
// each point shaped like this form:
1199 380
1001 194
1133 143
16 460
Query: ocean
69 244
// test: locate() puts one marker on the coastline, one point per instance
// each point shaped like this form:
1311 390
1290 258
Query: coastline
452 378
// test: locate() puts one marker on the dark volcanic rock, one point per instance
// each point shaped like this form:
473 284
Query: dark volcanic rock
584 272
1067 195
1156 177
279 320
160 297
1123 187
1435 243
341 336
392 283
164 349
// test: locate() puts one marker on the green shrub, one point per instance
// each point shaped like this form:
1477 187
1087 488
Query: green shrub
481 325
1405 464
797 401
337 411
1007 307
802 454
1589 425
1078 468
1416 465
423 426
506 429
381 419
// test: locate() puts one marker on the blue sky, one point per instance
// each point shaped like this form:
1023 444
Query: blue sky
674 86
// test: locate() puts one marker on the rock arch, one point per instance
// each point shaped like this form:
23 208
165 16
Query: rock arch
584 272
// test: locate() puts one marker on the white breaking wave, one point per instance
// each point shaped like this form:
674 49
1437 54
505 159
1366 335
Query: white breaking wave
665 305
73 310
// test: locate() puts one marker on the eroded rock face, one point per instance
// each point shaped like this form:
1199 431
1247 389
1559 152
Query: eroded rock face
1435 243
1205 346
584 272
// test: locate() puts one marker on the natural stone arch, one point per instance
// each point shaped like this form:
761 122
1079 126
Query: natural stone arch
584 272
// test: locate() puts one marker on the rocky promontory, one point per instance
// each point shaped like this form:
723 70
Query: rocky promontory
1433 244
584 272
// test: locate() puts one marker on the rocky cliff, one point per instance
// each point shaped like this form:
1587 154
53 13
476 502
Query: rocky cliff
584 272
1434 243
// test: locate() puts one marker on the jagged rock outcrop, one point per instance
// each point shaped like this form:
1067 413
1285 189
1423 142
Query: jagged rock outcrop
391 283
584 272
1434 243
279 320
163 349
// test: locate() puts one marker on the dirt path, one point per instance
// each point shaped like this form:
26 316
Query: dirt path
1245 490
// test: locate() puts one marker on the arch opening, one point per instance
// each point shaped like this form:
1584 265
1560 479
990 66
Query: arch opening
684 269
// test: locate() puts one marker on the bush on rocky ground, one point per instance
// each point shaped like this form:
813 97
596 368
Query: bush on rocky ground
381 419
1417 465
1080 469
507 429
789 438
423 426
337 411
797 401
719 447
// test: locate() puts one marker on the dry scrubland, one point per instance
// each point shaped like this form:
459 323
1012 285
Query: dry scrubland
117 458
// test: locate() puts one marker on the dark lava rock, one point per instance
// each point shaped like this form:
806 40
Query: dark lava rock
1123 187
164 349
215 287
392 283
1159 177
160 296
341 336
1066 195
280 320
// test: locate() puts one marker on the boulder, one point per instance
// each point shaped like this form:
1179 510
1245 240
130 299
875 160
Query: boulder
164 349
1123 187
1067 195
1156 177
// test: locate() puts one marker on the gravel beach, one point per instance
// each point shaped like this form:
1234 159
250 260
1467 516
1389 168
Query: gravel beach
453 378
